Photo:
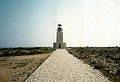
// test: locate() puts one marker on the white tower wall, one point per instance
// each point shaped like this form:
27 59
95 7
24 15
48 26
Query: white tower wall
59 39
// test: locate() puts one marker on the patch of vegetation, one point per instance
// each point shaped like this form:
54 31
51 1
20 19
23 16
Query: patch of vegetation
105 59
24 51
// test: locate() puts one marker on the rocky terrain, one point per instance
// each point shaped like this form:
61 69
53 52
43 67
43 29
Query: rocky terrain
24 51
105 59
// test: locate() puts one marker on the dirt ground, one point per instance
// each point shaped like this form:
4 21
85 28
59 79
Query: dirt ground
18 68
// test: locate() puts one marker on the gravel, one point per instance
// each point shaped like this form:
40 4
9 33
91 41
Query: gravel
64 67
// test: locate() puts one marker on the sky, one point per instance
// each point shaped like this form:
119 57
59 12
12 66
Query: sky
33 23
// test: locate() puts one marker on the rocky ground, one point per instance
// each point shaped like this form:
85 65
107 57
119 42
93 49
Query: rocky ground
104 59
20 51
64 67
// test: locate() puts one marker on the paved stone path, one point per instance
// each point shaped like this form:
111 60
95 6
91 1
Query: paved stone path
63 67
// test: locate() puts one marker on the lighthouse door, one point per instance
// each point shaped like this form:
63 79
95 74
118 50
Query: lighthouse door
59 45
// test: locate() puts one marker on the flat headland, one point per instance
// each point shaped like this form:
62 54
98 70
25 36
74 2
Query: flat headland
17 64
104 59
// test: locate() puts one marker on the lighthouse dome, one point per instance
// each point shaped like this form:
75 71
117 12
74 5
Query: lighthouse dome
59 27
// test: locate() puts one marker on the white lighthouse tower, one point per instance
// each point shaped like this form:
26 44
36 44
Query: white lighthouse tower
59 39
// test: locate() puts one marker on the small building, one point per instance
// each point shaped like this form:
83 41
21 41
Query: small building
59 39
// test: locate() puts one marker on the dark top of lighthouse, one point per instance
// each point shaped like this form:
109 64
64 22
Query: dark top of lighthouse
59 27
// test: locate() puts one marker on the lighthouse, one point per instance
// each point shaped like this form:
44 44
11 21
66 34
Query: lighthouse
59 39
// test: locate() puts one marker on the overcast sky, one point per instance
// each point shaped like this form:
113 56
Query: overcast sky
29 23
